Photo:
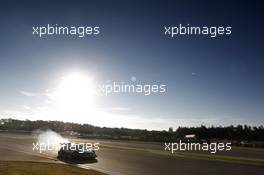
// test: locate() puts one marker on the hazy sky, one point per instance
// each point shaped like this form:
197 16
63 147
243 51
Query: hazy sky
211 81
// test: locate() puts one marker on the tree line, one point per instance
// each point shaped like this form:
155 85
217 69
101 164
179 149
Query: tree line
238 133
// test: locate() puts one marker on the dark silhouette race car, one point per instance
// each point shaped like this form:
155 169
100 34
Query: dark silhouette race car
69 151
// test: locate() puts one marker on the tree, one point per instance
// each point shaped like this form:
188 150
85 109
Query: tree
170 129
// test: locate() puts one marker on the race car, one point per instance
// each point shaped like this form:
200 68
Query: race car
70 151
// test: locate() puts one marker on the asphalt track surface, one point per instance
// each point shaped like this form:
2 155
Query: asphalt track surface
131 162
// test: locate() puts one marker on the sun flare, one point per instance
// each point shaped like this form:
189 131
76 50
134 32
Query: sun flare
75 94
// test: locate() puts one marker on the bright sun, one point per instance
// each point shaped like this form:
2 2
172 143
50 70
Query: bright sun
75 94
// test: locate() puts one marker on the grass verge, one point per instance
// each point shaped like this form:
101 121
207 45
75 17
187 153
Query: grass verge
40 168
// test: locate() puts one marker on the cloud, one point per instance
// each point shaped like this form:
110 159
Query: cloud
119 109
28 94
26 107
16 114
